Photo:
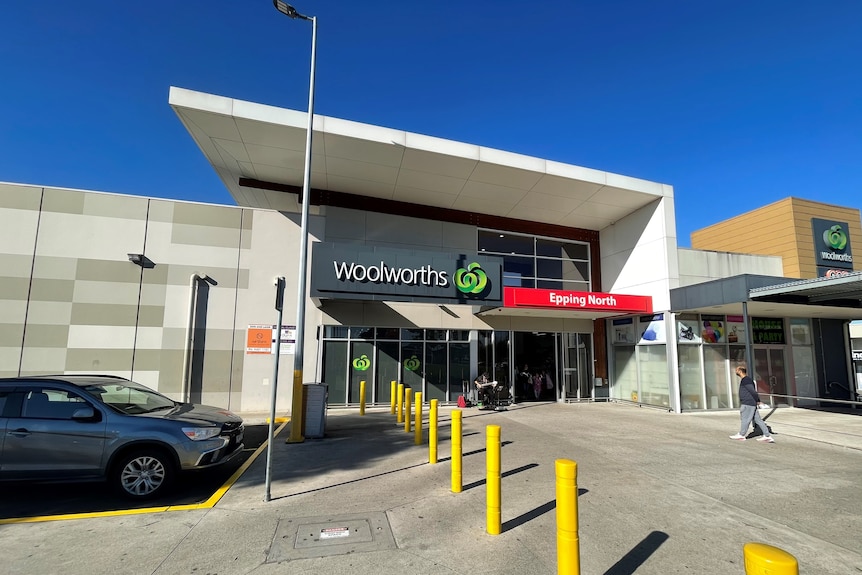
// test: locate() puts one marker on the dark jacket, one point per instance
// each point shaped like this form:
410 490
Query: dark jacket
748 392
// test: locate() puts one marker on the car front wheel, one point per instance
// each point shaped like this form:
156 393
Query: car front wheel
143 473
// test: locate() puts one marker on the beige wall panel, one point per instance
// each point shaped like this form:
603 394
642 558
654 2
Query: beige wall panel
105 292
148 338
167 363
148 378
101 337
207 236
43 360
63 201
99 238
11 335
106 315
104 271
207 215
153 294
18 197
99 360
16 265
14 288
9 358
51 290
49 313
50 267
46 336
161 211
12 312
18 232
115 206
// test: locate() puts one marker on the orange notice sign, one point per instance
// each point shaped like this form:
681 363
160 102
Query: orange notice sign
259 339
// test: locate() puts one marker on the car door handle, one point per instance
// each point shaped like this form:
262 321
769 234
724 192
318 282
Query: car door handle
20 432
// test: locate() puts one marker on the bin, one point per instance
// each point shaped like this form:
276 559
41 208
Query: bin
314 400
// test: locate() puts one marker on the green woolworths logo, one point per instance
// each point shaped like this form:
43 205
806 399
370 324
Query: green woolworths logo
361 363
412 364
472 280
835 238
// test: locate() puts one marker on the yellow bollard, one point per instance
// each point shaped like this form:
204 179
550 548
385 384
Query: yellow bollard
407 392
362 397
492 479
432 433
568 545
417 435
399 417
392 398
456 451
763 559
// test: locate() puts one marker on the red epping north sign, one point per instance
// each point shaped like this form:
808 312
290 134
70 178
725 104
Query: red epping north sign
576 300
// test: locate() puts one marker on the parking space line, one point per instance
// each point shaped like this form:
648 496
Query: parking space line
208 504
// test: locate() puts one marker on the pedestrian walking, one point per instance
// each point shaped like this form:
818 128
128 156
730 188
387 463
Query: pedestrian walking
749 401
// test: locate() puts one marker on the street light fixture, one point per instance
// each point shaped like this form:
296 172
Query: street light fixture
296 415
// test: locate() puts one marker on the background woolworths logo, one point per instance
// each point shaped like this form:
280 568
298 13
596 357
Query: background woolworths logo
835 238
412 364
361 363
472 280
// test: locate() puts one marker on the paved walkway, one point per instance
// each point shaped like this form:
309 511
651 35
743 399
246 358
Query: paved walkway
660 493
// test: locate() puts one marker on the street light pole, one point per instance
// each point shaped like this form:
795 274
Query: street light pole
296 415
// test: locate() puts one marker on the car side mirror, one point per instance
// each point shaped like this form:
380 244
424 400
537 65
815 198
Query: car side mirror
85 414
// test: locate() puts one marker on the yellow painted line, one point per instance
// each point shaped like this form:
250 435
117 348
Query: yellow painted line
208 504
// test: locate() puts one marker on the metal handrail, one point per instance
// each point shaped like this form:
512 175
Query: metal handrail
829 399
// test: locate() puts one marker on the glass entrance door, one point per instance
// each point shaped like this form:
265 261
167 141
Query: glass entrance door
770 375
575 362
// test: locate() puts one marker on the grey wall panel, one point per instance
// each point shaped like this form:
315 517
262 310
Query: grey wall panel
115 206
14 288
99 360
17 197
207 215
52 290
63 201
104 314
46 336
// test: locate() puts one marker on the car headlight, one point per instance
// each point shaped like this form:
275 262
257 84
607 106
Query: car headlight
201 433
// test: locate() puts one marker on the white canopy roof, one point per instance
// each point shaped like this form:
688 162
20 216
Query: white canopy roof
258 142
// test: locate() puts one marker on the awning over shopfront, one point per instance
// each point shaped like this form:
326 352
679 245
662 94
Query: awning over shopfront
770 296
258 152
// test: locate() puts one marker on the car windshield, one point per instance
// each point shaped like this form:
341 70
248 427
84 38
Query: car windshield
129 397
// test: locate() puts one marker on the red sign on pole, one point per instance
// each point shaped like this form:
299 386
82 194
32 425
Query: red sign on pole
576 300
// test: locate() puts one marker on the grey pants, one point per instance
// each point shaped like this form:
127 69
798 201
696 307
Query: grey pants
747 413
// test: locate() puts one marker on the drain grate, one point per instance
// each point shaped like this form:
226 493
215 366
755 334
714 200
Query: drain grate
307 537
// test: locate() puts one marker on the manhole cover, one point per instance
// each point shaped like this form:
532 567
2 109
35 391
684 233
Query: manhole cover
306 537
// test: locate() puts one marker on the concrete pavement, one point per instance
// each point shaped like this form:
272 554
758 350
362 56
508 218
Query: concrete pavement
660 493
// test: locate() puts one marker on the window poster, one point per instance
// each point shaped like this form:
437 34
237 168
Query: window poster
736 329
713 329
623 331
652 328
687 329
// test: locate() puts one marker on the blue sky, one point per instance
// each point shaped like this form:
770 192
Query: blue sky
736 104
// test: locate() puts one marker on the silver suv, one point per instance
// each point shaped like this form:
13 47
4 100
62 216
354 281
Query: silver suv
105 427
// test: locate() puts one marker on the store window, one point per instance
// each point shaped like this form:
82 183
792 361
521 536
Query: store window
537 262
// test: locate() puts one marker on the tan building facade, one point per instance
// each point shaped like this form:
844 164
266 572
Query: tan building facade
786 228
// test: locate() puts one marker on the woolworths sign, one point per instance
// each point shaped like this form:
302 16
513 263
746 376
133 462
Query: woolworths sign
831 244
347 271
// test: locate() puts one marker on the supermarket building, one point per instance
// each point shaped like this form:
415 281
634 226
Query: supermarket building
430 262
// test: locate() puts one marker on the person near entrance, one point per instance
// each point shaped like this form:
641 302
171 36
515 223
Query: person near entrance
749 401
483 388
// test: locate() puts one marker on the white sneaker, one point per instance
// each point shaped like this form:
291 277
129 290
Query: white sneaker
766 439
738 437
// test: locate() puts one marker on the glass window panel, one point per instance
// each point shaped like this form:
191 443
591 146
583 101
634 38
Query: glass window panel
517 281
800 331
435 334
518 267
362 332
501 358
737 357
335 371
690 385
505 243
387 370
459 335
715 370
412 334
435 371
552 269
553 284
625 373
560 249
485 353
412 364
459 370
652 362
803 375
361 369
576 271
387 333
335 331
